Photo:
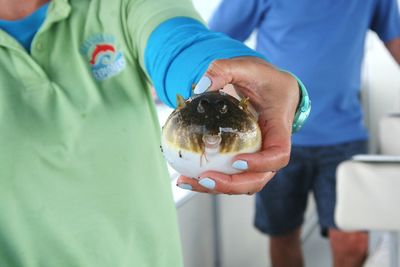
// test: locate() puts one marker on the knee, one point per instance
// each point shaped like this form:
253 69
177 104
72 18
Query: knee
352 249
349 245
286 240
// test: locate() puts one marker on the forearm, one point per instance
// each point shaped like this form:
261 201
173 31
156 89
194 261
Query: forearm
179 52
394 48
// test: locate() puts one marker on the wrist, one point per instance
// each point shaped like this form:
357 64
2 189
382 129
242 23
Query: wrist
303 107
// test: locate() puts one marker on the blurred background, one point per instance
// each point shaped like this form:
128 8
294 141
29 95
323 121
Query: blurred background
217 231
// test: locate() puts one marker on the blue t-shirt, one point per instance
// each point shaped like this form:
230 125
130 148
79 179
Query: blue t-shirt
322 42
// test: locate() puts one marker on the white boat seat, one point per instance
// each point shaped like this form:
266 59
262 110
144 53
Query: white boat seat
368 195
368 188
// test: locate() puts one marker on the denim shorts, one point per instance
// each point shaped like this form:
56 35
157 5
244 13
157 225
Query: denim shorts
280 206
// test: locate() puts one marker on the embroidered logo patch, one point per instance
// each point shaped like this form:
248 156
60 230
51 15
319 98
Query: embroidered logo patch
105 59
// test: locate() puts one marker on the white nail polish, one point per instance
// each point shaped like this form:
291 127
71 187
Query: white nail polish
202 85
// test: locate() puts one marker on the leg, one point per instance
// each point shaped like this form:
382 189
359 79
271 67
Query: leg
286 250
280 208
349 249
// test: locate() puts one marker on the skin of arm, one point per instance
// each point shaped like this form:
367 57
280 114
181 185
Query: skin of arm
394 48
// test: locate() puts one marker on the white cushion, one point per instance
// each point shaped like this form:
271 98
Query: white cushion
368 196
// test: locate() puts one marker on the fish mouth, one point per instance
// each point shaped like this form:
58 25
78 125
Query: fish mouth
211 141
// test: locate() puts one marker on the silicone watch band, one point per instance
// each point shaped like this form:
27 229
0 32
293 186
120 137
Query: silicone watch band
303 110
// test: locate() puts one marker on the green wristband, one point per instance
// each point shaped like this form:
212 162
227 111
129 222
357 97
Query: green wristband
303 109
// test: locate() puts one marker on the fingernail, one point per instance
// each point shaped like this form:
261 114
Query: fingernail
202 85
207 183
240 165
185 186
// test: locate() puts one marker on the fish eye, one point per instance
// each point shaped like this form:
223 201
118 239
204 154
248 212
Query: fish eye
222 107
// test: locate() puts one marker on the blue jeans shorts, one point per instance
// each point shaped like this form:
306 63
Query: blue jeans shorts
280 206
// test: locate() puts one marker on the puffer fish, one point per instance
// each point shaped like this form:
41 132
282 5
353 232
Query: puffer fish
205 132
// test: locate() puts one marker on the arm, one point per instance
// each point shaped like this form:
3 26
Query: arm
386 23
238 18
394 48
182 50
179 51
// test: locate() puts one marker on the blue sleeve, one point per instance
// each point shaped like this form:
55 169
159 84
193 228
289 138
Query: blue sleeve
386 20
238 18
179 52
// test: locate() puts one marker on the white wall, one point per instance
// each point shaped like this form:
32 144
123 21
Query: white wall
381 85
206 7
197 229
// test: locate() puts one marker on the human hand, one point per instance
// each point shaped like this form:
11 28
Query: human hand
275 95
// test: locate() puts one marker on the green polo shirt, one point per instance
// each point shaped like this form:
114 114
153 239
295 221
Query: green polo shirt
82 179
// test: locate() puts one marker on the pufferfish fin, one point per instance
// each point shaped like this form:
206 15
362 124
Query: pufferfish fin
243 104
180 101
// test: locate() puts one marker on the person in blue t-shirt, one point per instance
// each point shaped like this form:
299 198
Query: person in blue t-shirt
322 42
